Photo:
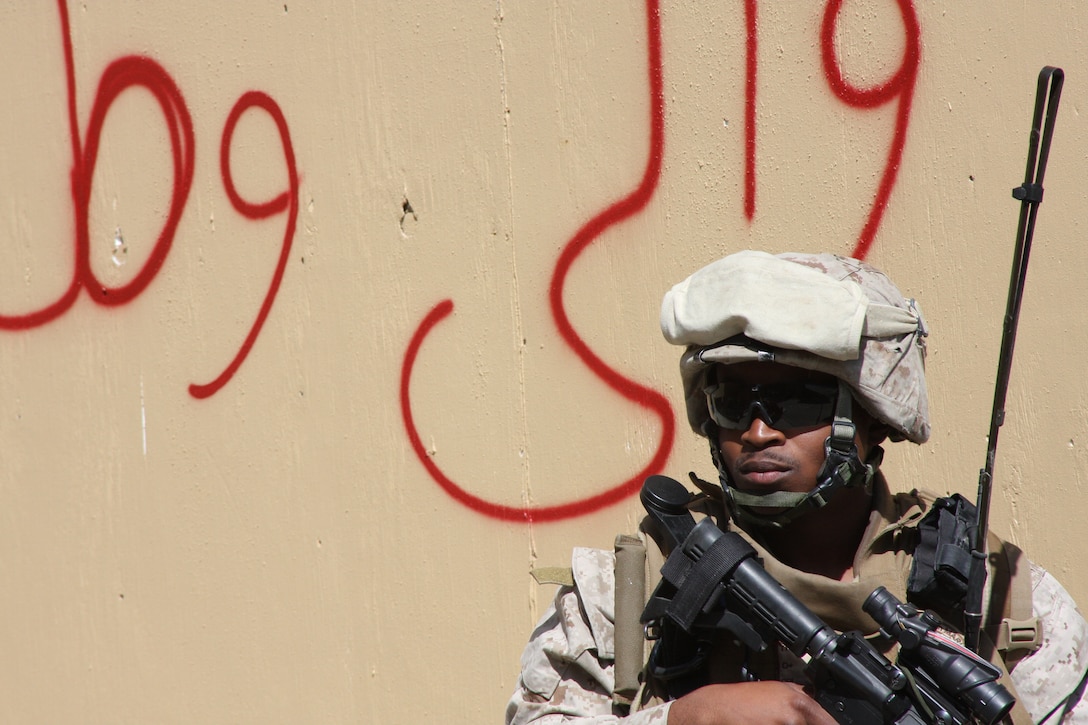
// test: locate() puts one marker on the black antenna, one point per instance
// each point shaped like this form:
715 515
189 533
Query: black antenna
1030 195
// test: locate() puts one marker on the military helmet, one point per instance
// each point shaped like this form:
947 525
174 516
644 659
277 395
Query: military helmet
820 312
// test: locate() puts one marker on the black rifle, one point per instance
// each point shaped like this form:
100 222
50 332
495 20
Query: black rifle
713 583
1030 195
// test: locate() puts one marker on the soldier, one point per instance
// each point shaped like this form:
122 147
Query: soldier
796 368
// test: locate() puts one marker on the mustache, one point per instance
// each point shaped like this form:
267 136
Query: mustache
763 461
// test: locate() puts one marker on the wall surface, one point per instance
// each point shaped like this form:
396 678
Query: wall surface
322 323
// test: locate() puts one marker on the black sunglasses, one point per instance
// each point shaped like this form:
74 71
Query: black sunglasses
783 406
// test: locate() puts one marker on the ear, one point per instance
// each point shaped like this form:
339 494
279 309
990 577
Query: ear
873 431
878 433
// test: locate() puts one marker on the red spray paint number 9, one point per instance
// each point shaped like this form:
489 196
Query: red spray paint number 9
286 201
139 71
900 86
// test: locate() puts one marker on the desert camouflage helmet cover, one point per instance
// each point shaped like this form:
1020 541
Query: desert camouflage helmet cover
816 311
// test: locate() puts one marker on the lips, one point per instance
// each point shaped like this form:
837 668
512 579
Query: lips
761 471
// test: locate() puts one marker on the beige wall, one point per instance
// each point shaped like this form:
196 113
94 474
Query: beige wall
276 551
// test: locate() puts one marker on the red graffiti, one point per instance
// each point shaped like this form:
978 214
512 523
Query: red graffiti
900 85
287 200
120 75
134 71
750 110
645 397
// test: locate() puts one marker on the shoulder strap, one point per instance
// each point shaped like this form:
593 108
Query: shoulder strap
1018 632
561 575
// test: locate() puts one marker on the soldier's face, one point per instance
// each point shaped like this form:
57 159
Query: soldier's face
762 458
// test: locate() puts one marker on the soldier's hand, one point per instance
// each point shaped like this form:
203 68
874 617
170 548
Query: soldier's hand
749 703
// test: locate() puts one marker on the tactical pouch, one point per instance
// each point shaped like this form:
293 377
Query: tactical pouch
941 569
630 598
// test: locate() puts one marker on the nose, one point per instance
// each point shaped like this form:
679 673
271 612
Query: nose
760 433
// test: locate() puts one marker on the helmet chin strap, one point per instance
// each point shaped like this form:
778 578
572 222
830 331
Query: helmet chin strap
842 468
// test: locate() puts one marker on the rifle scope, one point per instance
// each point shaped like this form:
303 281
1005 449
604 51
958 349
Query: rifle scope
948 665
